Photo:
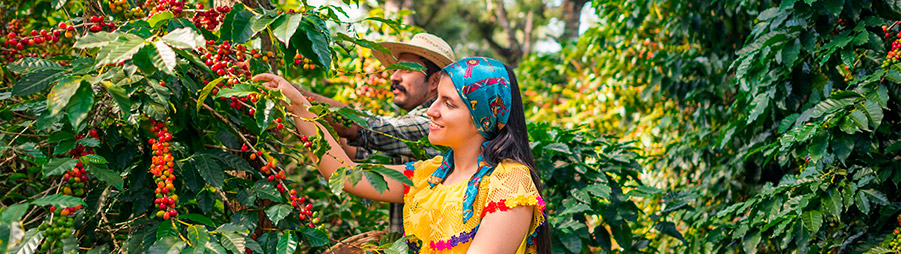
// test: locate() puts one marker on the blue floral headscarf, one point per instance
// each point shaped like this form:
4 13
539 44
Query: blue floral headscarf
484 86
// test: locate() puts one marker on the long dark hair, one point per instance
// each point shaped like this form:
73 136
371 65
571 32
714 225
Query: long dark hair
512 142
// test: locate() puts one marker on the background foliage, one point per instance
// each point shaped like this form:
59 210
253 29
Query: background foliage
659 126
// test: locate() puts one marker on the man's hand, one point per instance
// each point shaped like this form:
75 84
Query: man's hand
289 90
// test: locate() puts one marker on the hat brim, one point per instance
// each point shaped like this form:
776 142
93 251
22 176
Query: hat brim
398 48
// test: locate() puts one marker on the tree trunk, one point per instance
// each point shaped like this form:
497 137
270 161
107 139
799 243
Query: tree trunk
572 11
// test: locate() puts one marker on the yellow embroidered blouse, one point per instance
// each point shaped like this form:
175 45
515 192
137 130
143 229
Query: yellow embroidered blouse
433 216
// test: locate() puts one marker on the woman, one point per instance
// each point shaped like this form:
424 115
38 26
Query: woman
483 194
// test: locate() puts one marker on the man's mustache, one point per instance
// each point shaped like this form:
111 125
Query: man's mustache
396 85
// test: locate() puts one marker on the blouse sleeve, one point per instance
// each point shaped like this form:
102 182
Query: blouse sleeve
511 186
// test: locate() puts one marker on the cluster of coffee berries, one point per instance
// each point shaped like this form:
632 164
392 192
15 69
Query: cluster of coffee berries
17 44
893 240
893 55
304 209
98 24
163 169
174 6
262 56
223 59
304 62
59 228
279 123
121 7
209 19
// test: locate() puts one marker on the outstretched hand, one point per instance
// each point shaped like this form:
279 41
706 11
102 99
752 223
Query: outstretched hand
277 82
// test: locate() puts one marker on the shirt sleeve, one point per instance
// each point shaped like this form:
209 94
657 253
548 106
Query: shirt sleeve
381 130
511 186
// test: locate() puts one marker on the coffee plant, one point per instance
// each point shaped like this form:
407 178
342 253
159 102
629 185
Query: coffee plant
133 126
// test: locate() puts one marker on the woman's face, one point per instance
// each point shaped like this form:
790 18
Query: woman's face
451 123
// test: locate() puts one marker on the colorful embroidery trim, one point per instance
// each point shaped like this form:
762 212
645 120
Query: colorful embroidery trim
453 241
504 204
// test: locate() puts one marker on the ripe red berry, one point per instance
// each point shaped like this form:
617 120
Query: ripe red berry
244 148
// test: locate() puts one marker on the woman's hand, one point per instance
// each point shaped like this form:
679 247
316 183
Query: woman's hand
291 92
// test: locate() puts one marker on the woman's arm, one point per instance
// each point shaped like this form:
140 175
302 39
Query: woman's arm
502 231
336 157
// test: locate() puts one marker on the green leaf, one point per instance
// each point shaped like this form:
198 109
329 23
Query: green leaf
812 220
230 160
407 66
285 26
239 90
790 52
167 245
314 237
30 242
859 119
206 91
760 104
197 218
158 93
377 181
263 113
354 115
209 169
578 208
751 241
246 197
365 43
599 190
32 64
824 107
237 25
313 44
558 147
669 229
287 244
393 174
278 212
580 195
35 82
233 242
214 248
79 105
93 159
119 50
263 189
120 95
89 142
166 57
261 22
198 235
876 196
184 38
57 166
874 112
832 203
96 40
13 213
59 200
336 181
104 174
159 17
167 228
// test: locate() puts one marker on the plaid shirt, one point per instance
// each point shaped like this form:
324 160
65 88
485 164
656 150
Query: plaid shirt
412 126
378 137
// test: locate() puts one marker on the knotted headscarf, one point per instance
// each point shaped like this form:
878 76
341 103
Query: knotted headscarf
484 86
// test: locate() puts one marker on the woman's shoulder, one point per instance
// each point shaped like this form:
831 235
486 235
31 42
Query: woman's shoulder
510 166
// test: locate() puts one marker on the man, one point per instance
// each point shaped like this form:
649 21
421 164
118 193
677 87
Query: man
414 91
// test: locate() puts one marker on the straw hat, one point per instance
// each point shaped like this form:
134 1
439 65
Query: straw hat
423 44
